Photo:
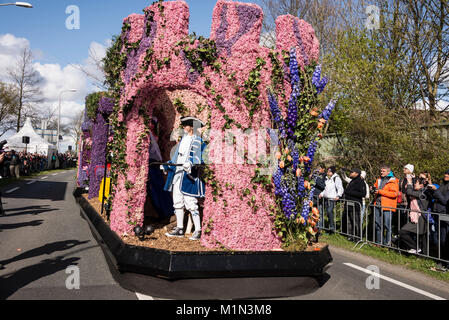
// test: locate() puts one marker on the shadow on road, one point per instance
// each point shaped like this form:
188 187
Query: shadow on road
26 208
47 249
41 190
19 279
33 210
10 226
223 288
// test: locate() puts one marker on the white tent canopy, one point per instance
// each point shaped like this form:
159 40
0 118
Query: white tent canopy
36 145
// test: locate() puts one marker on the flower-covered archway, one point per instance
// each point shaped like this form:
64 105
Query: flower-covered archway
222 80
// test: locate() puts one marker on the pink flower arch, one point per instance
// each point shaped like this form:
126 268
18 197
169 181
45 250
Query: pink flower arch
236 29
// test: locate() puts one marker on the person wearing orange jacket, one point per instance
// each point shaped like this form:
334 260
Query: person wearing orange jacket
386 190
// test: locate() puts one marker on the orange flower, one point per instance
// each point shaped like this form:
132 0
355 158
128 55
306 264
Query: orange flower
306 184
287 150
306 159
298 172
320 125
314 112
301 220
315 211
322 120
289 158
278 155
282 164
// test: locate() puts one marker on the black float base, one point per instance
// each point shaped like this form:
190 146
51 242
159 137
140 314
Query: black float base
140 268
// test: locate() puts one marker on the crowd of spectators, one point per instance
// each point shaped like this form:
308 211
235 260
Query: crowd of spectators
16 164
407 210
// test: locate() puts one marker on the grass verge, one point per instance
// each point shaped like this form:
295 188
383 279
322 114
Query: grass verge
391 256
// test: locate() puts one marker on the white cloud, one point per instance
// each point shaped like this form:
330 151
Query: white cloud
10 48
57 78
441 105
92 65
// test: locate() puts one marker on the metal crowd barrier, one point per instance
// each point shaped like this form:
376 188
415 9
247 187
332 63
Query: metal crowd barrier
370 225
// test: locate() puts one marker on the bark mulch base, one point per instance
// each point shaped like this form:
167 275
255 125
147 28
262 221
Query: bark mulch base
158 240
192 271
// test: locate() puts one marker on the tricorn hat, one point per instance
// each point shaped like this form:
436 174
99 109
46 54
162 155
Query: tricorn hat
192 121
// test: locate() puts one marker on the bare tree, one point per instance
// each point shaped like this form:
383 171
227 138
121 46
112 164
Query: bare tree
326 16
94 70
428 37
74 128
8 103
27 81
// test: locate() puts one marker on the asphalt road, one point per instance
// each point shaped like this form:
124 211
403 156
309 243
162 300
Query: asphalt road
42 235
45 245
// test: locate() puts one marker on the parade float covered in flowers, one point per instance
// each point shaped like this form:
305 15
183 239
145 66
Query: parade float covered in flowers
95 135
258 198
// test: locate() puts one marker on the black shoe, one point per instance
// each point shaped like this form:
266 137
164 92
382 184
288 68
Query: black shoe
395 240
1 267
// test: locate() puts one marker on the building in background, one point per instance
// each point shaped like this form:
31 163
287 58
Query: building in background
49 135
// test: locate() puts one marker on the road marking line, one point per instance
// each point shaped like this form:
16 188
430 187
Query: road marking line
401 284
143 297
44 178
54 174
12 190
31 182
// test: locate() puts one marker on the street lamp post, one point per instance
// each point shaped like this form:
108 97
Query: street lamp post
59 115
18 4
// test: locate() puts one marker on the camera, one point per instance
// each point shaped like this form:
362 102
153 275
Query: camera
373 190
2 144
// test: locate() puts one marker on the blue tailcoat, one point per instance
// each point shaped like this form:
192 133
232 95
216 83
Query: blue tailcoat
194 188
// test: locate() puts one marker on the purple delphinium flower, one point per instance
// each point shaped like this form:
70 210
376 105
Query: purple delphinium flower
305 210
319 83
292 113
277 180
295 156
312 191
288 204
277 115
311 154
301 187
326 114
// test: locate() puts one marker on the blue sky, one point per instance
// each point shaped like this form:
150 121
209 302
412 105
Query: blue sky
44 25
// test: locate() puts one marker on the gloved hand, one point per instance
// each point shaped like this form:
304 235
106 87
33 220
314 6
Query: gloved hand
187 167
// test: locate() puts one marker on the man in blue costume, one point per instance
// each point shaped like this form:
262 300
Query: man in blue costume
184 180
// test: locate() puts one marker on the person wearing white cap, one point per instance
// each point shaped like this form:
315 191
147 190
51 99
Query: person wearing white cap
403 199
365 199
184 180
